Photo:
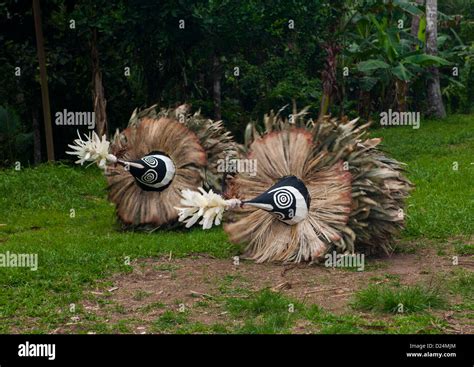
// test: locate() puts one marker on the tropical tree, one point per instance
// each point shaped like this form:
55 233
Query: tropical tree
388 57
435 100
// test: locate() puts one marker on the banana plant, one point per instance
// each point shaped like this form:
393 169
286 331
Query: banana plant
389 58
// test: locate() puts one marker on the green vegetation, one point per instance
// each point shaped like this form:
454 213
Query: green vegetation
72 252
405 299
462 283
235 60
441 204
75 252
265 312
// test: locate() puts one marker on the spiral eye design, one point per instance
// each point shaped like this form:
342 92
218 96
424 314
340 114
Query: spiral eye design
151 161
149 176
280 216
283 198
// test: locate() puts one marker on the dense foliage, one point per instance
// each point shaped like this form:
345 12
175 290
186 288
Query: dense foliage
235 59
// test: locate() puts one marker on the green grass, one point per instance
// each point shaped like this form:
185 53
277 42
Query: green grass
152 306
265 312
462 283
169 320
398 299
268 312
178 323
74 253
462 248
140 295
327 323
443 201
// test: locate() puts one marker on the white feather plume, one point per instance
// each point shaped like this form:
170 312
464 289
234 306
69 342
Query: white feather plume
92 149
208 205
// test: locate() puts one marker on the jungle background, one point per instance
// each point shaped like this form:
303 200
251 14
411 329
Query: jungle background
233 60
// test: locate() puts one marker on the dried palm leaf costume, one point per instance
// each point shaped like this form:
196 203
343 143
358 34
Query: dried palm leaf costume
318 186
159 154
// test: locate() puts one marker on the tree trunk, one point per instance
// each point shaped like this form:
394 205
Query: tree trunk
401 89
185 84
216 87
415 21
98 97
328 78
364 105
48 129
415 25
36 137
435 101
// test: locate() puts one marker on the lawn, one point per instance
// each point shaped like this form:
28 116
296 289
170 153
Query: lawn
61 213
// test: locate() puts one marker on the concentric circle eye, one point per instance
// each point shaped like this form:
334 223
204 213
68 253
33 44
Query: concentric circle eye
150 176
151 161
280 216
283 198
153 172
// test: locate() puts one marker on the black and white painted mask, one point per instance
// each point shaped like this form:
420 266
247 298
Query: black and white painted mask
288 199
153 172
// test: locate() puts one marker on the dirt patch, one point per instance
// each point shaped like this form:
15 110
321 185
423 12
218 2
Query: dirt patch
195 283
